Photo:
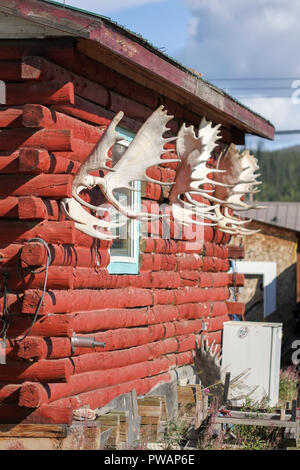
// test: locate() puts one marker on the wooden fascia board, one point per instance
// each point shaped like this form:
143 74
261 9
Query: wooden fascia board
120 43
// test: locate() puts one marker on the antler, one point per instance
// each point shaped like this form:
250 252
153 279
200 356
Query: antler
85 222
239 173
192 173
143 152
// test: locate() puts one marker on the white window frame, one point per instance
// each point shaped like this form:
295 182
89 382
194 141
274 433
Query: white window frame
129 264
268 271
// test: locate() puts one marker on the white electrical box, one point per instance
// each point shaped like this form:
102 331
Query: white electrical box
255 346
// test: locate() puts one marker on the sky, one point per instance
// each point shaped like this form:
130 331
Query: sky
248 48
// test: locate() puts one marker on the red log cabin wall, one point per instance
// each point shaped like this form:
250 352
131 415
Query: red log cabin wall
59 103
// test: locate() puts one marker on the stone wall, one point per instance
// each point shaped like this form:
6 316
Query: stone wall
277 245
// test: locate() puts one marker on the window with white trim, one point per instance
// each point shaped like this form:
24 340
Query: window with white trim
124 253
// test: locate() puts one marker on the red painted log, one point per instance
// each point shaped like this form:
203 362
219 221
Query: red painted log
9 393
31 207
56 186
40 68
82 300
193 311
9 162
236 280
88 278
82 383
191 247
9 254
236 308
189 262
236 252
54 48
59 277
11 117
43 93
35 348
219 309
100 397
34 394
81 239
35 161
189 278
47 414
81 150
9 207
51 232
41 371
35 254
86 360
219 279
161 174
38 116
50 326
89 322
111 79
215 324
92 113
158 245
195 294
212 336
10 71
51 139
158 262
13 301
130 107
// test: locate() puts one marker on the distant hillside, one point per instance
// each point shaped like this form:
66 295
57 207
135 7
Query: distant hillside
280 174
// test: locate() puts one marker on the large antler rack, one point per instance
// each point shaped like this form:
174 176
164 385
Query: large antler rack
239 173
233 178
194 152
143 152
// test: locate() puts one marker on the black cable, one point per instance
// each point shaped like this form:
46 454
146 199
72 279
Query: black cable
4 319
5 311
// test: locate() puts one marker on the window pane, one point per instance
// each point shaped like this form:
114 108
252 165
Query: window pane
122 245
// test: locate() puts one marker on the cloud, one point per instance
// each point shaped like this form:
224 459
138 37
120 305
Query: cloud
285 112
248 39
108 6
242 38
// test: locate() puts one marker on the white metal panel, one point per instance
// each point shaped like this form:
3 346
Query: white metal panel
257 346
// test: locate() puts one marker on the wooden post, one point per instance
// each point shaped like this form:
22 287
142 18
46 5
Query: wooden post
150 410
111 421
226 388
294 410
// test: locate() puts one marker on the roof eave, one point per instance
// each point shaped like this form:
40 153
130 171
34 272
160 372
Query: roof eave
108 35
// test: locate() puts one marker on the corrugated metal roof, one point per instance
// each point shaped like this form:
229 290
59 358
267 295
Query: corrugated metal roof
281 214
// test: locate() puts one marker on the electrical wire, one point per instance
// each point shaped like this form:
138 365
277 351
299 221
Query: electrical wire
5 317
